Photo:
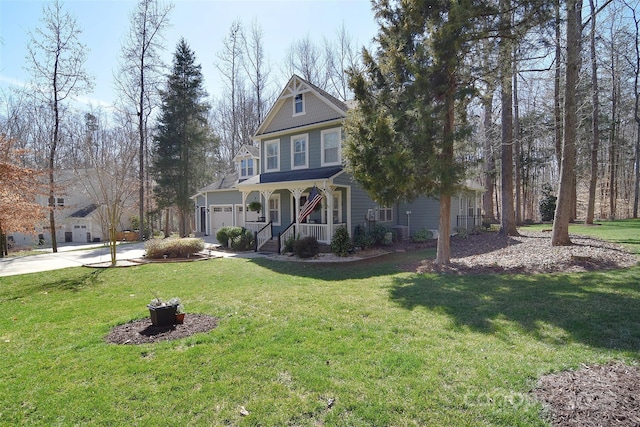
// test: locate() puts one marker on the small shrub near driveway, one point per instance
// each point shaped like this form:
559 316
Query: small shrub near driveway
173 247
228 234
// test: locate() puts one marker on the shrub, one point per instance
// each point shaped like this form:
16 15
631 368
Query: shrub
422 236
379 233
547 203
341 242
173 247
290 243
361 239
307 247
462 232
225 234
244 242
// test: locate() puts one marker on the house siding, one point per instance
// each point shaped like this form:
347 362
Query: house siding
425 213
316 111
314 142
224 198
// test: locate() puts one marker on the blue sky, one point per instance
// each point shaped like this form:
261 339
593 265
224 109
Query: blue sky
203 23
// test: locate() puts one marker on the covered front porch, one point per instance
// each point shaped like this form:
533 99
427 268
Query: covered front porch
282 202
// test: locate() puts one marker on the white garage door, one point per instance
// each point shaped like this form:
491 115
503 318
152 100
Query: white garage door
221 216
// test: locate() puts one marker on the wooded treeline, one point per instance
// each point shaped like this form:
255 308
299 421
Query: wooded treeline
516 75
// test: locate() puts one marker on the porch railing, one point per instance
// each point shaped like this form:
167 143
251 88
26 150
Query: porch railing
254 226
285 235
469 222
263 235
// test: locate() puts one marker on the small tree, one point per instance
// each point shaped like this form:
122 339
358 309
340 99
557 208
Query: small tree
341 242
111 180
547 203
19 210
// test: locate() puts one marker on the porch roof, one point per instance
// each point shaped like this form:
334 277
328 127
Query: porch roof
294 175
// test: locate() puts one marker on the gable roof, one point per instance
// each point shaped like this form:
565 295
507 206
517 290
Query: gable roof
248 150
225 183
295 86
84 212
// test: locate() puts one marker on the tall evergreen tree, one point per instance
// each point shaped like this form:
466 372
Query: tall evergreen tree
182 139
400 137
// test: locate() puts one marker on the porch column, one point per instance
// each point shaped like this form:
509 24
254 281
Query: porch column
266 195
328 191
297 192
244 207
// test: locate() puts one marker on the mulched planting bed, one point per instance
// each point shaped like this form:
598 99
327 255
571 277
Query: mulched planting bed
529 253
592 396
143 332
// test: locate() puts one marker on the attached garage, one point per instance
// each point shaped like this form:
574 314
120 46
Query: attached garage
221 216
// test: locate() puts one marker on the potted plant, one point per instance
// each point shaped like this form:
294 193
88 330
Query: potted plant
163 313
255 206
180 314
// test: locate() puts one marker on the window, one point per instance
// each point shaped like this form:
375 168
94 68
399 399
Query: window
298 104
274 209
60 202
337 207
331 139
246 167
272 149
385 214
299 152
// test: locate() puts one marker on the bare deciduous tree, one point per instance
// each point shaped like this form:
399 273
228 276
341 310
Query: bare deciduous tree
56 61
140 75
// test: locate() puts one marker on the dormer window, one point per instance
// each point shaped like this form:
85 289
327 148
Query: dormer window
246 168
298 104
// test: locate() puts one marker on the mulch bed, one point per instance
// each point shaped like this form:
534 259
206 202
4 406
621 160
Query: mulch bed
592 396
143 332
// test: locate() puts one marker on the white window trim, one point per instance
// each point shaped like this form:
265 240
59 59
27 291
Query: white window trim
241 171
322 133
304 109
268 216
337 194
266 157
386 209
304 136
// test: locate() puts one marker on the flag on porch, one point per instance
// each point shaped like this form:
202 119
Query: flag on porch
312 201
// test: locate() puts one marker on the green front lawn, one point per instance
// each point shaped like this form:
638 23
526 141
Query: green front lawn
387 347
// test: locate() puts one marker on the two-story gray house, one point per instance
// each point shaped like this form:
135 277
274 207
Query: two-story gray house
298 147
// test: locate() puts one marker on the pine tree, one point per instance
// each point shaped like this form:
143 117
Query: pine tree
400 136
179 163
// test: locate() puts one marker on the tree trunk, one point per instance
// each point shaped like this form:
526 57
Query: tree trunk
489 159
560 236
557 101
517 145
508 221
166 222
636 111
595 120
141 134
52 157
612 143
443 250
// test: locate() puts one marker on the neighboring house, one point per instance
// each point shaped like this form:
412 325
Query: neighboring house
299 146
77 215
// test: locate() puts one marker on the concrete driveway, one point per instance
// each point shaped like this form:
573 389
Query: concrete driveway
67 256
75 255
